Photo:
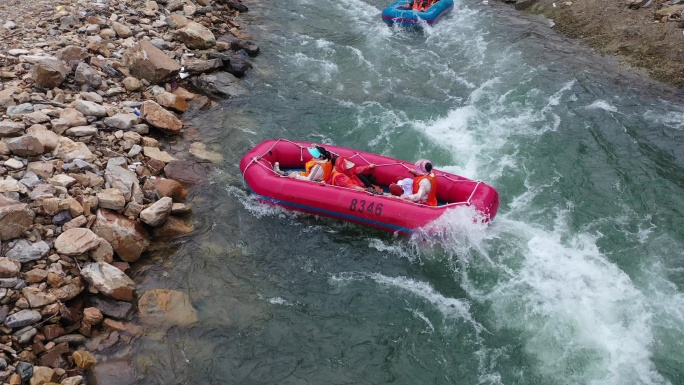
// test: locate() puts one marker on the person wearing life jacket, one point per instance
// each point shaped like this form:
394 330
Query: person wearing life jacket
345 174
418 5
318 169
424 184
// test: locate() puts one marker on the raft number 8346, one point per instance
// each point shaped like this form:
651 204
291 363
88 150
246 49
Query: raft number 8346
360 206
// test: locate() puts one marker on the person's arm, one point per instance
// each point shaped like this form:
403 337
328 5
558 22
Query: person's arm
361 169
424 188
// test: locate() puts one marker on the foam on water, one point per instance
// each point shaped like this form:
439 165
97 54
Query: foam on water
257 208
583 317
430 328
671 119
602 105
450 308
279 301
319 70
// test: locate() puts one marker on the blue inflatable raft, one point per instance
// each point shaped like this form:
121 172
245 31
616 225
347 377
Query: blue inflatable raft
410 18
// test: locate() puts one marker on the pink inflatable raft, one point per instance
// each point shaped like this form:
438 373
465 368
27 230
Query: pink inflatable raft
383 212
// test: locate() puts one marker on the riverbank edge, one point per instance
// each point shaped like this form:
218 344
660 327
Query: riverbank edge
92 101
648 38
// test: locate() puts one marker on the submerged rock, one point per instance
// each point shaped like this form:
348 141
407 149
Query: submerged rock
118 371
168 307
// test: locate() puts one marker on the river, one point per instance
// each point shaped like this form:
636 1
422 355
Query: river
577 281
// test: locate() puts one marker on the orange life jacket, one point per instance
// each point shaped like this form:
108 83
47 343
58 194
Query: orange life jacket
326 164
432 195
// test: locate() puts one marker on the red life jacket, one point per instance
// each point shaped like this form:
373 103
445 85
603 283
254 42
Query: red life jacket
432 195
334 179
422 5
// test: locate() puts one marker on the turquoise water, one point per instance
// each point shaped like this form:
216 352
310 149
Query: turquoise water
578 280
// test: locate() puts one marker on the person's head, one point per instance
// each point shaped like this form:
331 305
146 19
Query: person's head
319 152
327 155
423 167
395 189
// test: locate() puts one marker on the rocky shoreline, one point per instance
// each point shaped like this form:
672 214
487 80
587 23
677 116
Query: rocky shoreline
645 34
90 93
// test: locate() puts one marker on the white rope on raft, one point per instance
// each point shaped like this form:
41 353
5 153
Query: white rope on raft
301 159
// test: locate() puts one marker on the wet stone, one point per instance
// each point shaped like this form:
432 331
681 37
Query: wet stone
83 359
219 84
186 172
112 308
